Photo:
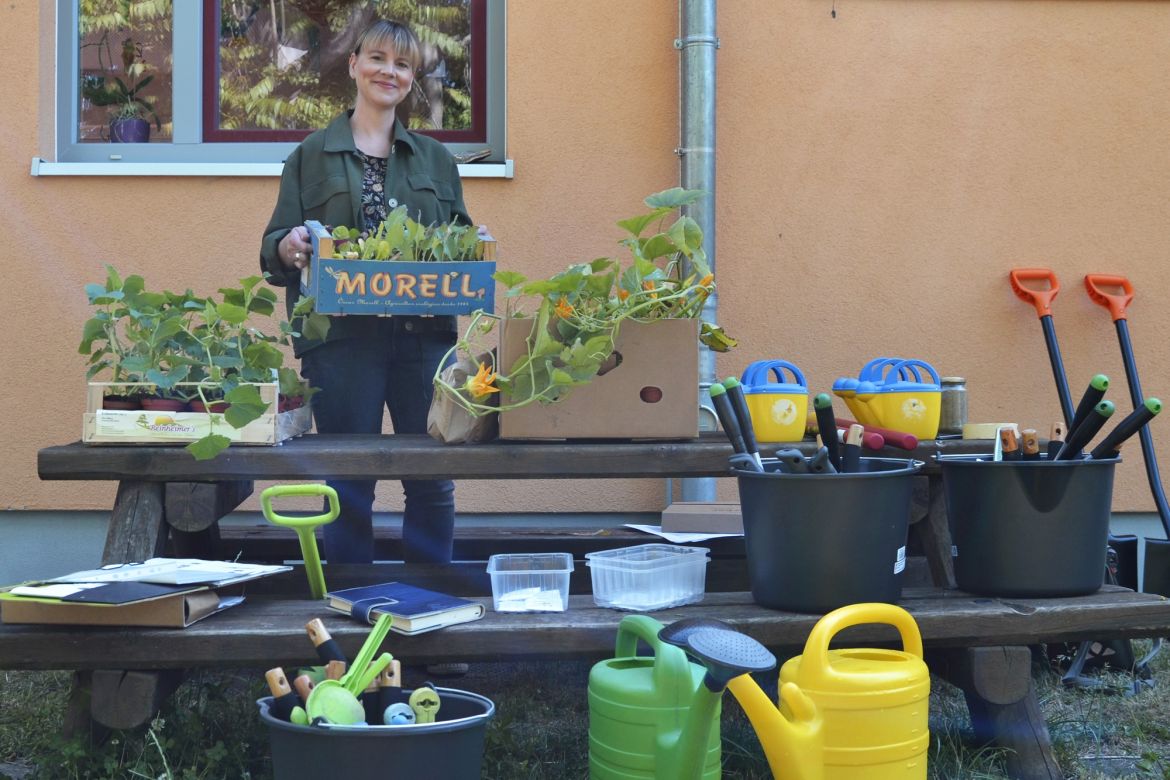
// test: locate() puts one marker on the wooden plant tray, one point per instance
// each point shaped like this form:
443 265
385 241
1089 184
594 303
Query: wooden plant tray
141 426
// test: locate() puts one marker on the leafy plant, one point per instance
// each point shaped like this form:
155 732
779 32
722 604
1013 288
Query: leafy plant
579 311
399 237
124 95
186 346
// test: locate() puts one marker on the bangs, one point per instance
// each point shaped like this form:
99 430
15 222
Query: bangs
391 35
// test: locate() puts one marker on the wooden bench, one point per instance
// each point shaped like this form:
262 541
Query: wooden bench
169 502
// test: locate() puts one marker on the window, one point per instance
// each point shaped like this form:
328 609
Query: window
244 80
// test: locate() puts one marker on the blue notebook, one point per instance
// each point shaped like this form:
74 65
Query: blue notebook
415 610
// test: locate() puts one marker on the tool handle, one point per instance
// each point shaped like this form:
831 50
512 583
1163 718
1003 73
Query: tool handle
1040 299
670 662
1093 395
1126 428
742 414
369 647
327 647
1086 431
899 439
1030 444
827 427
869 440
1116 304
308 489
727 418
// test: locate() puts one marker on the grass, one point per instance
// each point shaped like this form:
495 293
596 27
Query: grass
210 729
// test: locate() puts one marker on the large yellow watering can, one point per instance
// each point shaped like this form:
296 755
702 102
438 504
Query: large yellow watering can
874 701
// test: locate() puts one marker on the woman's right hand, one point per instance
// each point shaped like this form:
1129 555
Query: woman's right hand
295 249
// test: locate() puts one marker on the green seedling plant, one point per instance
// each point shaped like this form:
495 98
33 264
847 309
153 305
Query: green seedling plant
187 346
399 237
579 311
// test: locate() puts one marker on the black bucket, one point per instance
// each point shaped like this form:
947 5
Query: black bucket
816 542
1029 528
452 747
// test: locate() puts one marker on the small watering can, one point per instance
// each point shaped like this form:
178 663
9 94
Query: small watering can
874 701
658 716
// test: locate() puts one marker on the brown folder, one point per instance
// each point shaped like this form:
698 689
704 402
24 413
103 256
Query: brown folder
173 610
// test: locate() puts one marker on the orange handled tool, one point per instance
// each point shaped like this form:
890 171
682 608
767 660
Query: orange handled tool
1117 303
1041 299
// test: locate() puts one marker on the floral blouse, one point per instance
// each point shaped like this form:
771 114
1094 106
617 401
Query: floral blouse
374 203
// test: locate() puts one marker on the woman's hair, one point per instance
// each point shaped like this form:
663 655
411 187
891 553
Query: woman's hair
400 37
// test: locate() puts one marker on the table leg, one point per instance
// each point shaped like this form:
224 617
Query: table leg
136 525
1001 696
936 534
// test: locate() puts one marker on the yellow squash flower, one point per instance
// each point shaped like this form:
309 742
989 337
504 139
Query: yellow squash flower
564 310
706 280
480 385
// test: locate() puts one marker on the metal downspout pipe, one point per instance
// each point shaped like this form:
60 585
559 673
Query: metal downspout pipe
697 44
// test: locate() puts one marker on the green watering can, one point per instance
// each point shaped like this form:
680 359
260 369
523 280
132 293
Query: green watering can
658 716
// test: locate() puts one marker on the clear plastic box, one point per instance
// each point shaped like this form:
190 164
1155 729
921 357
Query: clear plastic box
530 582
647 577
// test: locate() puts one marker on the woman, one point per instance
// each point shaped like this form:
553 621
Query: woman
362 165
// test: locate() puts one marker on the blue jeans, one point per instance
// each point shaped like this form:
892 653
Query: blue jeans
358 377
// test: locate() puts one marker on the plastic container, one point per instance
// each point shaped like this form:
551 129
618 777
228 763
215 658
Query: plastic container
1029 528
647 577
778 408
450 748
817 542
530 582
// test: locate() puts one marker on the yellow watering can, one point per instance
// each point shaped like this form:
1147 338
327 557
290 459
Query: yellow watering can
874 702
791 735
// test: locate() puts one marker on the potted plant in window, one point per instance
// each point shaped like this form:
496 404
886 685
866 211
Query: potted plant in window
128 109
568 339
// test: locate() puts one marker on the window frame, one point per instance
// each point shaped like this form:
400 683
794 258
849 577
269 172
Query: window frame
187 150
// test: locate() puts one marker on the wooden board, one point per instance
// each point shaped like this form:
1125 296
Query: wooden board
403 456
266 633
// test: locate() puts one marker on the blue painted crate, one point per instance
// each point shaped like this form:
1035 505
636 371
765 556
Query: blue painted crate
385 287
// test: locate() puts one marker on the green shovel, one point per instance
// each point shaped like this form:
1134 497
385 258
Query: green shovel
304 526
335 701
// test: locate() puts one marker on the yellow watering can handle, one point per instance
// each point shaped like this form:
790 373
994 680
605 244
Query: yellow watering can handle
815 663
308 489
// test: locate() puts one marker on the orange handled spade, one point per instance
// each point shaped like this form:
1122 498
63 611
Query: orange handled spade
1115 293
1041 299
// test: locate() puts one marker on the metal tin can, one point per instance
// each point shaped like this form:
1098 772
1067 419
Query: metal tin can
953 404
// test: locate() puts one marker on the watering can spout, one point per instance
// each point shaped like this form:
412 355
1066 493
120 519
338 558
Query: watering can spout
791 735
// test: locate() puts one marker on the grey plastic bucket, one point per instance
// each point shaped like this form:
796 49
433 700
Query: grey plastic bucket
816 542
451 748
1029 528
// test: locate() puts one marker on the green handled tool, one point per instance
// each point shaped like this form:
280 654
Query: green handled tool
304 526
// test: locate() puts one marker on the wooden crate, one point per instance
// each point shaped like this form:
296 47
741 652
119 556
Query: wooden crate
140 426
386 287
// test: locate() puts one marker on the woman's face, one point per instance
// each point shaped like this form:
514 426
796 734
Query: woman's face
383 77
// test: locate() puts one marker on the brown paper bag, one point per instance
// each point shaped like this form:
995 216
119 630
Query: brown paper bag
449 422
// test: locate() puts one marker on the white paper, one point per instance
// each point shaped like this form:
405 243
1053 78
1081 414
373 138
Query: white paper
678 537
174 571
53 591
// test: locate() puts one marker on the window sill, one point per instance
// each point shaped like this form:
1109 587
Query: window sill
41 167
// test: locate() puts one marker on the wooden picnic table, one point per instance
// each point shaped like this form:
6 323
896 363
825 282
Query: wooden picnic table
167 498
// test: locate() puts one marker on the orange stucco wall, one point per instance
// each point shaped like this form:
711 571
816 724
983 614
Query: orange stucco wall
878 174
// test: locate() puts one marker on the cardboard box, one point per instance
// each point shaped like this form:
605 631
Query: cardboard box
139 426
663 354
177 610
702 517
385 287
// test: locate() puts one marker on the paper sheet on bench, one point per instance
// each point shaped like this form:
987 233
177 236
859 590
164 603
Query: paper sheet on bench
175 571
677 537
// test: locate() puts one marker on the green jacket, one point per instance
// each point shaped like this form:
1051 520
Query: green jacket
322 180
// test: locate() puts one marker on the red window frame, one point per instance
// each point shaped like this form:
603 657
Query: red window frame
477 133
